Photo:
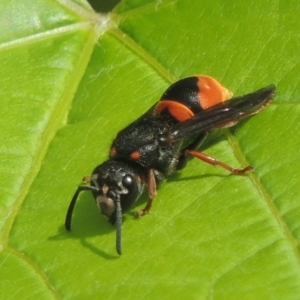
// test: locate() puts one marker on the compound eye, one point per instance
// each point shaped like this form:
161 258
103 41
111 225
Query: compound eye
127 181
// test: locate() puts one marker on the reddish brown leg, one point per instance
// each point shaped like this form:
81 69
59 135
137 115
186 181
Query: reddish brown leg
86 179
151 191
212 161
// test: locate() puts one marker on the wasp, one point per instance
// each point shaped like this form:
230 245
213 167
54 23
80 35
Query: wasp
162 140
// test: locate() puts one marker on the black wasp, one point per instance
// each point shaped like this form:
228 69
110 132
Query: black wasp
161 141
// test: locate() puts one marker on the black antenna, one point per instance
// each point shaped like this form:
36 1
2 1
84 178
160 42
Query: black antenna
73 202
118 226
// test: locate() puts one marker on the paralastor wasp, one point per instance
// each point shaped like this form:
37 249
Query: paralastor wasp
161 141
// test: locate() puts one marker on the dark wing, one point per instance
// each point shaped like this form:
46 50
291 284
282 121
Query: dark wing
225 114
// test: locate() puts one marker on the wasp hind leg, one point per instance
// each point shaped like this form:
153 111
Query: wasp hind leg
183 158
214 162
190 151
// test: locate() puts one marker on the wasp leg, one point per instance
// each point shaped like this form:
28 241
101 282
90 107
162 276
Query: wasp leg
183 158
213 161
151 191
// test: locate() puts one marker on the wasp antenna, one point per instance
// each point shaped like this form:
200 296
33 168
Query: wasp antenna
118 226
73 202
71 208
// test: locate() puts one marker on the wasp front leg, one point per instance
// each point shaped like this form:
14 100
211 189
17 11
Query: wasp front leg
153 177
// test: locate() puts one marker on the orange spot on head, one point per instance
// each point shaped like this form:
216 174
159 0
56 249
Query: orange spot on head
211 92
178 110
135 155
113 152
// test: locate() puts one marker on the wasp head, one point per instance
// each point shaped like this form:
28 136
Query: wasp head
116 185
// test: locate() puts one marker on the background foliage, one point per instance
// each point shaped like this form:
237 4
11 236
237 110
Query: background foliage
70 79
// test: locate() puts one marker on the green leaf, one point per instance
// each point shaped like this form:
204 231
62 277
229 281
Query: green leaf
71 79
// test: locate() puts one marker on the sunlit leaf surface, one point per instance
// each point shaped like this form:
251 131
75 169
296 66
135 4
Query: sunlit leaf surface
71 79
